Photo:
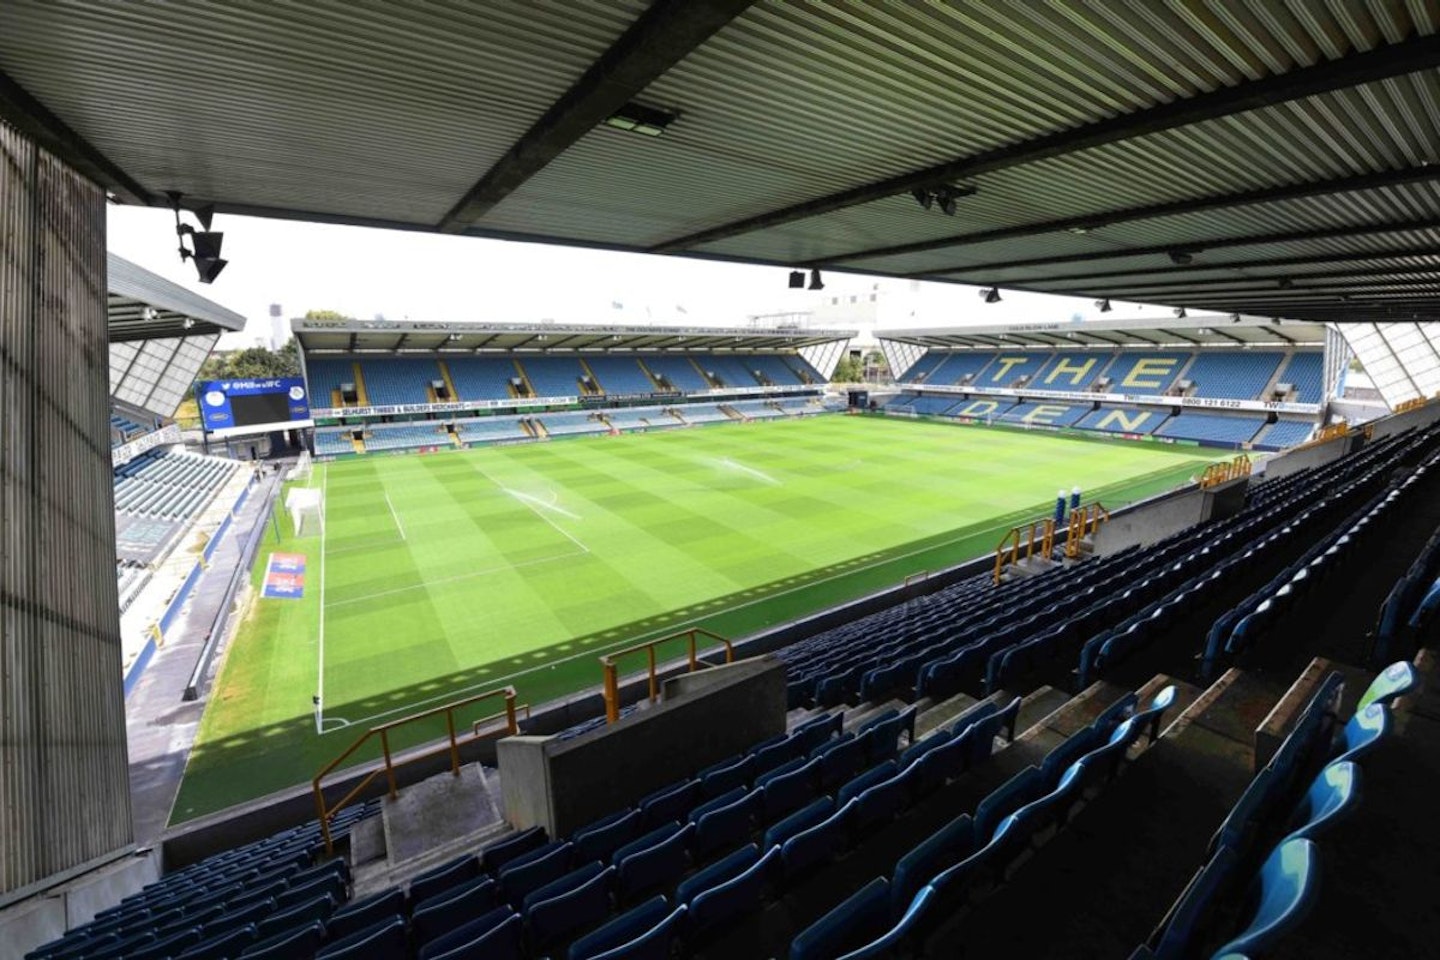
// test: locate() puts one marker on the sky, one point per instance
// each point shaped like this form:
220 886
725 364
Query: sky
365 272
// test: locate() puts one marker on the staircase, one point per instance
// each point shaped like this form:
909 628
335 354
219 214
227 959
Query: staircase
525 379
360 394
731 412
449 383
358 444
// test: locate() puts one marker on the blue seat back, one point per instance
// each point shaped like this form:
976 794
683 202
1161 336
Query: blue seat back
1364 731
1394 681
1007 798
452 873
495 856
445 911
859 919
734 897
726 868
661 865
1289 882
791 790
501 942
620 930
383 939
1191 910
552 920
725 826
656 943
802 819
944 847
519 878
670 803
859 784
1333 795
362 914
816 844
299 943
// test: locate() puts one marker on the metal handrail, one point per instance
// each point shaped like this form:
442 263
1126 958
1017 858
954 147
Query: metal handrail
612 676
452 746
1084 521
1008 551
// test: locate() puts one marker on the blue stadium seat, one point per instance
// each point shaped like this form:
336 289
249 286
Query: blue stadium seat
502 942
1014 793
219 946
950 844
727 825
363 914
554 919
281 921
167 946
1394 681
669 803
660 865
528 873
621 930
817 844
1239 825
644 841
715 803
864 781
734 897
451 908
882 802
726 868
1032 823
802 819
1332 796
299 943
452 873
725 776
790 790
654 944
600 839
1191 912
575 878
859 919
382 940
1289 884
1364 731
467 933
495 856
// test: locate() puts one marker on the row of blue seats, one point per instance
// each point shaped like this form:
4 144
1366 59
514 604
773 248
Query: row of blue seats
936 879
248 900
1242 626
1408 613
408 380
1279 512
1220 374
1308 786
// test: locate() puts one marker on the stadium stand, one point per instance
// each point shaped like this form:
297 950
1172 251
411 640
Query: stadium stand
561 424
123 429
772 370
728 371
553 376
679 372
1236 376
404 436
1306 373
619 374
1122 420
1146 372
325 375
930 406
330 443
482 378
1285 433
1008 369
702 413
1043 414
490 429
757 409
157 494
399 380
1191 425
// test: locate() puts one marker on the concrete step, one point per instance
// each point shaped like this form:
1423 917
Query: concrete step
856 717
432 821
937 715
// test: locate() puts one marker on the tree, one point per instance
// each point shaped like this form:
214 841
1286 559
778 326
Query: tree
848 370
253 363
325 315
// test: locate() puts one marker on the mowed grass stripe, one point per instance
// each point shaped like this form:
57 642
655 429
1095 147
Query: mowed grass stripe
679 529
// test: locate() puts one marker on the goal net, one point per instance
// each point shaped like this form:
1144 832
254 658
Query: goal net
301 470
307 510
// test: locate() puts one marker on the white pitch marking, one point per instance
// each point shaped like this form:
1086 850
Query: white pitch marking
395 515
320 683
551 505
463 576
727 462
534 505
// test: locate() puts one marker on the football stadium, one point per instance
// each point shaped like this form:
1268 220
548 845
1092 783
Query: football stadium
1098 636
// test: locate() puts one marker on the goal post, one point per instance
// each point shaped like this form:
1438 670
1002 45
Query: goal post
301 471
306 506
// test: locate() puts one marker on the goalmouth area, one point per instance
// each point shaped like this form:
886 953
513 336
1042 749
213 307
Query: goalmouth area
434 576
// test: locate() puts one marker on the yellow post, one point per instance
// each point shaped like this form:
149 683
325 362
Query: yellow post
654 693
612 694
389 767
454 747
324 817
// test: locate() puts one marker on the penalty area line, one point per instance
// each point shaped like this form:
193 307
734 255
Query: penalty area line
395 516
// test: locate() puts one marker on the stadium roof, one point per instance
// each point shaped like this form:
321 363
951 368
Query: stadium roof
388 336
1216 331
160 335
144 306
1239 155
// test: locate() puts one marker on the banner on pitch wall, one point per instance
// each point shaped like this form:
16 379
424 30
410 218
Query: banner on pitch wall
235 404
1134 399
285 576
391 410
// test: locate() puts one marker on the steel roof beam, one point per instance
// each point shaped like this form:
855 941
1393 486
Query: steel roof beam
1397 59
661 37
1298 280
1214 243
1308 260
1095 221
34 119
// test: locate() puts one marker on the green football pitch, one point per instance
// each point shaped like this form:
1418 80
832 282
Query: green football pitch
439 575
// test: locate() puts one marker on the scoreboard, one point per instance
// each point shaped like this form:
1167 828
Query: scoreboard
230 407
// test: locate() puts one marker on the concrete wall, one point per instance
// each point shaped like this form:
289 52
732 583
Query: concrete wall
1315 456
38 920
562 785
64 779
1157 519
1400 422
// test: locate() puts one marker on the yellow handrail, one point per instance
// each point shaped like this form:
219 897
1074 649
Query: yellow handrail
1218 473
612 676
452 746
1084 521
1041 532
